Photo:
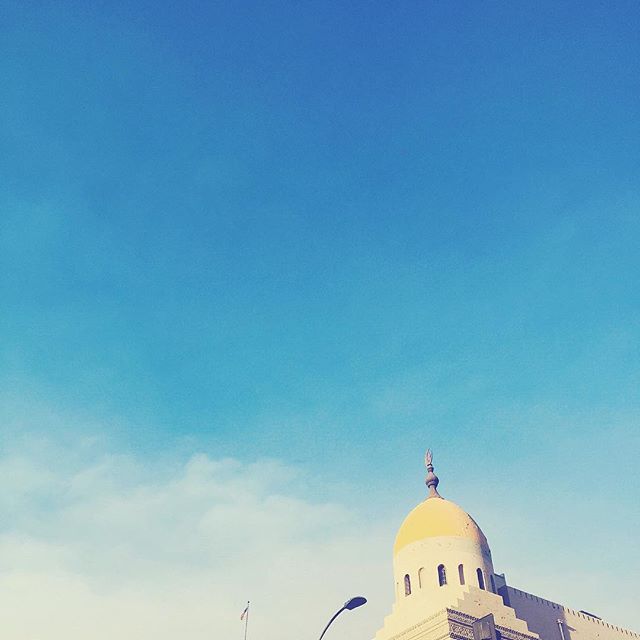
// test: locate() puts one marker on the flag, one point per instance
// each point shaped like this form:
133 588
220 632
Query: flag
245 612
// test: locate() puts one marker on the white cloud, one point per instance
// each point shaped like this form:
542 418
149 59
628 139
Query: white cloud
101 545
118 548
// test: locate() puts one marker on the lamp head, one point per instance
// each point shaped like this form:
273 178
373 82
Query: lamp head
354 603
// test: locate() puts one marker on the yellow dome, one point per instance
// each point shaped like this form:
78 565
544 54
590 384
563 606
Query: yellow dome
437 517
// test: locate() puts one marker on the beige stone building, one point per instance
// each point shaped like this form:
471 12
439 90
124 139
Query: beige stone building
446 586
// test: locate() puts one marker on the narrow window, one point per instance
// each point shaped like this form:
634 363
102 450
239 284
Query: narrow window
493 583
420 575
442 575
480 578
461 573
407 585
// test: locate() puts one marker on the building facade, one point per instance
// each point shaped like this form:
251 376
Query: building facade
446 586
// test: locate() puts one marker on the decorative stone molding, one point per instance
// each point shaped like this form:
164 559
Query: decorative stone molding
460 631
460 627
450 624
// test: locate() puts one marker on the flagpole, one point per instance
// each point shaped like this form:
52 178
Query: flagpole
246 621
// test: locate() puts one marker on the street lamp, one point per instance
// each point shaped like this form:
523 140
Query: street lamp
354 603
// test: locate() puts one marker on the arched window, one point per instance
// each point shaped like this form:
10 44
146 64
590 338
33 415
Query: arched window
461 573
407 585
493 583
442 575
420 576
480 578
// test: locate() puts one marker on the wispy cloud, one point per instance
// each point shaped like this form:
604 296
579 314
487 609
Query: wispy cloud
115 547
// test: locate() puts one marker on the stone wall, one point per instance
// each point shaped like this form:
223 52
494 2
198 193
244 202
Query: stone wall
545 618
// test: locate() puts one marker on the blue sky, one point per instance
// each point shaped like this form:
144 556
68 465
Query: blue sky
331 235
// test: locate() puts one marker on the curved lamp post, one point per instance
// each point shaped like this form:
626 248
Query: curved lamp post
354 603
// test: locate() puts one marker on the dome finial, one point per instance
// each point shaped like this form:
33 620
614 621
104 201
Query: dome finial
432 479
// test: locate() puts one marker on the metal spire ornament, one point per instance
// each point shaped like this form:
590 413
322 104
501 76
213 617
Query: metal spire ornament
432 479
